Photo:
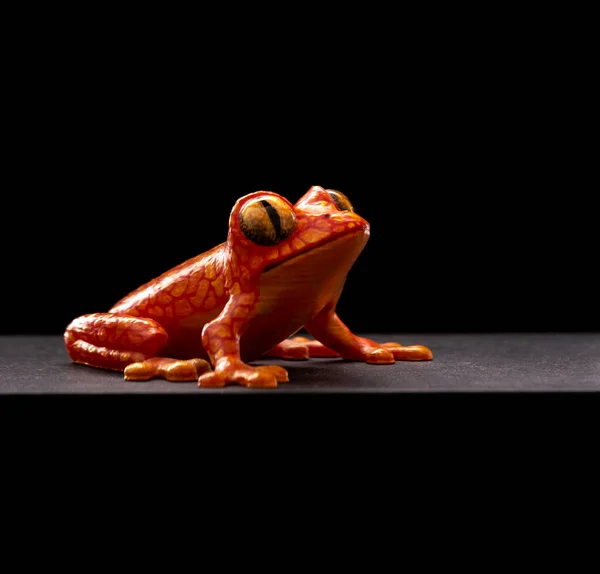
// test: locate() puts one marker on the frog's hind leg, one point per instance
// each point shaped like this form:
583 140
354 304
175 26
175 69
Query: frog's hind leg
113 341
129 344
300 348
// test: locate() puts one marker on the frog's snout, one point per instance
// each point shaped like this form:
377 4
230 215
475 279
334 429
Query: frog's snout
349 219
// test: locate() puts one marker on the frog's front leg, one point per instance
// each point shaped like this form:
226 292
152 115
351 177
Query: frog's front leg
221 340
130 344
329 330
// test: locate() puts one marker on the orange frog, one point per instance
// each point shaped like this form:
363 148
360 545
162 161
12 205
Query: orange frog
281 269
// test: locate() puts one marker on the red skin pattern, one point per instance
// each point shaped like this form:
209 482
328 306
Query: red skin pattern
207 318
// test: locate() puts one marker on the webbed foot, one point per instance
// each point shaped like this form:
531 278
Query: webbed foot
230 371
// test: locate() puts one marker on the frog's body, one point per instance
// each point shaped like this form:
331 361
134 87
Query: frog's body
282 268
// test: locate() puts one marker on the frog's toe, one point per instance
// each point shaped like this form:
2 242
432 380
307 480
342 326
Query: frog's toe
185 371
260 380
212 379
280 374
172 370
409 353
140 371
380 356
201 365
290 350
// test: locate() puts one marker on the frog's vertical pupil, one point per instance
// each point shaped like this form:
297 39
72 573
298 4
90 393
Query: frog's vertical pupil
266 222
274 217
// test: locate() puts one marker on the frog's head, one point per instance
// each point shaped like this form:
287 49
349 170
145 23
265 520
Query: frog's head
266 230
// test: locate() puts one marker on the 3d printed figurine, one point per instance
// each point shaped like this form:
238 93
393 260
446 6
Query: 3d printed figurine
282 268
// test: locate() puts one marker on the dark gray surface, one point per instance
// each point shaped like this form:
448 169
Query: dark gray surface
462 362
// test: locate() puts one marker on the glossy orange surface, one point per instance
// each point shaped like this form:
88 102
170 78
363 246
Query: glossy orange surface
282 268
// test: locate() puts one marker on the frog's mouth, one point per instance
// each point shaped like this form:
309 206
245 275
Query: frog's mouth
335 253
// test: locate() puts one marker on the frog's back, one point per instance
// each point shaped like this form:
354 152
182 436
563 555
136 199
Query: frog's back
183 299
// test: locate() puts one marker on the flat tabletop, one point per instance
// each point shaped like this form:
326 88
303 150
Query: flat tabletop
498 362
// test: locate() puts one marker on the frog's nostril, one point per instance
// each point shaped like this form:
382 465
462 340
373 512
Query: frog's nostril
327 215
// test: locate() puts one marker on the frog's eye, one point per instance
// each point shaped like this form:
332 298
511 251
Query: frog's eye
267 221
340 200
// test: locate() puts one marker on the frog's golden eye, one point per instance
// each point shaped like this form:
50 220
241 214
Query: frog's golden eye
340 200
267 221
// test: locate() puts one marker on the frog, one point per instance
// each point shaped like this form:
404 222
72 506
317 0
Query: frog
209 320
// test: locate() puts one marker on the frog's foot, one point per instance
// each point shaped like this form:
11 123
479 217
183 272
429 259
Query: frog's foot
387 353
230 371
330 329
300 348
171 370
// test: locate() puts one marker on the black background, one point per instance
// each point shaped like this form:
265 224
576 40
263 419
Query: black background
462 145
